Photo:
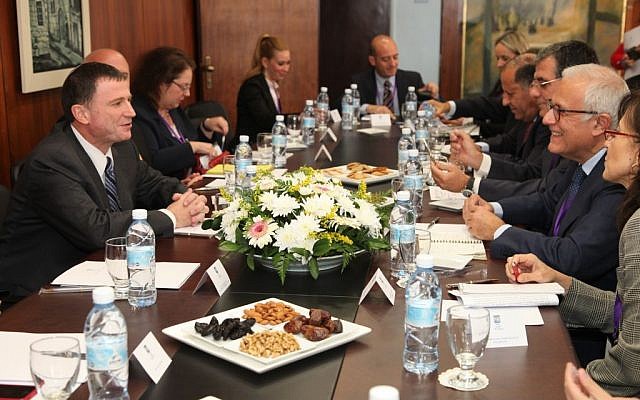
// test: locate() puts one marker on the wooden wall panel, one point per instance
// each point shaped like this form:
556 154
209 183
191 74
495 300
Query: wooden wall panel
5 158
451 49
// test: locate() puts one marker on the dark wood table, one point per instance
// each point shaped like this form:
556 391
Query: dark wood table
346 372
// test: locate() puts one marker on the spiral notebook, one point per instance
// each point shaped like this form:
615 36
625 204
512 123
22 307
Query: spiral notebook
447 239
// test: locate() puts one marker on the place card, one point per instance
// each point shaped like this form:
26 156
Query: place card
329 132
384 284
380 119
217 274
323 150
335 115
152 357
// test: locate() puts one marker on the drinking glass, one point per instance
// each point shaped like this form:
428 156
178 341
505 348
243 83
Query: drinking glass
468 331
55 363
424 241
263 147
438 140
228 167
293 127
115 256
397 184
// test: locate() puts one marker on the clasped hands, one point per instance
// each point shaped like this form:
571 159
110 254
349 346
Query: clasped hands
188 208
479 217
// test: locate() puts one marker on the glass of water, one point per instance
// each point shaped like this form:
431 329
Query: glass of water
468 331
229 169
55 363
115 256
263 147
293 127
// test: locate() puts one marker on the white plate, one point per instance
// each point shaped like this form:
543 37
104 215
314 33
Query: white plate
229 350
343 171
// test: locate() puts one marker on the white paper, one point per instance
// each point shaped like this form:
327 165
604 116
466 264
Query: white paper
14 348
373 131
384 284
335 116
528 315
295 145
437 193
332 135
204 161
506 331
451 261
194 231
322 150
380 119
219 277
169 275
152 357
508 300
215 184
453 239
515 288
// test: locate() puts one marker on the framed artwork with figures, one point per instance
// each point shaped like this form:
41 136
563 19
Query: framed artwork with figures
53 36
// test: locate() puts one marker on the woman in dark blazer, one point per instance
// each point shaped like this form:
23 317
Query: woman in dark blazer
165 137
259 99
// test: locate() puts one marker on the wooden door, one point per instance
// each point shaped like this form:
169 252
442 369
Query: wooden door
228 32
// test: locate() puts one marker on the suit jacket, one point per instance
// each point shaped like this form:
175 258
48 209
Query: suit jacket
586 245
256 109
590 307
59 208
368 91
156 143
486 111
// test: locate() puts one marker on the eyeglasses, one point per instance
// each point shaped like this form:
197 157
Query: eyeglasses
184 87
557 111
541 84
610 134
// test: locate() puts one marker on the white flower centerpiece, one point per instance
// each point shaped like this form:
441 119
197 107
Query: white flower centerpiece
300 217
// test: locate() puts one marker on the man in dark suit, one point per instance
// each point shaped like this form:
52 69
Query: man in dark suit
79 185
577 210
383 87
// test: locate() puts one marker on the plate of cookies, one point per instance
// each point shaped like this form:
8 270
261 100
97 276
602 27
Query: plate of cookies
266 334
356 172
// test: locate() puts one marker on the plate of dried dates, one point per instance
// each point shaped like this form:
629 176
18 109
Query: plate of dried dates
267 334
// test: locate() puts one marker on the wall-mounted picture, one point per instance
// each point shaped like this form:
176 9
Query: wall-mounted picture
54 36
543 22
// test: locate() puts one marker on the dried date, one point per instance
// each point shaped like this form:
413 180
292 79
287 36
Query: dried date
229 329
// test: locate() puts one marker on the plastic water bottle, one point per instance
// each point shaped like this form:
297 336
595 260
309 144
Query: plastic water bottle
247 182
105 332
402 223
413 179
322 109
411 103
347 110
141 261
422 144
422 319
279 143
355 94
243 159
308 124
404 145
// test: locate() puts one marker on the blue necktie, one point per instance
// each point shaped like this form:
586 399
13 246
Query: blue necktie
110 186
572 191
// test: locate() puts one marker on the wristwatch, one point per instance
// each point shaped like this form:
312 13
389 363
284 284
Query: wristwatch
468 189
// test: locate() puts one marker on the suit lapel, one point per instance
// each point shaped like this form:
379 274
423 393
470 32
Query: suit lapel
266 93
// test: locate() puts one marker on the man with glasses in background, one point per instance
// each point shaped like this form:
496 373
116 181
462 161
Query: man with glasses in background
577 210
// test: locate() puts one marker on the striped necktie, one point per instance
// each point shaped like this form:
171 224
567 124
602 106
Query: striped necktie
110 186
387 96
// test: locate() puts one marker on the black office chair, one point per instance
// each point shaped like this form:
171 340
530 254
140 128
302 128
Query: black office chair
5 195
15 172
205 109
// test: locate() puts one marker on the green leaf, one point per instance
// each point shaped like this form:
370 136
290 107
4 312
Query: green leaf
378 244
250 261
228 246
313 268
321 247
212 223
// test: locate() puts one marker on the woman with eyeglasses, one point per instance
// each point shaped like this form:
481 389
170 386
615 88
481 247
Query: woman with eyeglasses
165 136
616 314
259 96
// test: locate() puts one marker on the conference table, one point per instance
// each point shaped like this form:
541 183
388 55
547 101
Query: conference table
344 372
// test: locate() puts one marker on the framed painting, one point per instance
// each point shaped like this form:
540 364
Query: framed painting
53 36
596 22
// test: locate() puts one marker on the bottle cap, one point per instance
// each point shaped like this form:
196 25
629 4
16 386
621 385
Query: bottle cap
412 88
354 86
406 131
413 153
103 295
403 195
280 118
309 102
252 169
384 392
424 260
421 113
244 138
323 89
347 91
139 213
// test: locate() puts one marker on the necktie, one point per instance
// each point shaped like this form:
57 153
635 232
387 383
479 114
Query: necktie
387 97
110 186
527 133
278 106
572 191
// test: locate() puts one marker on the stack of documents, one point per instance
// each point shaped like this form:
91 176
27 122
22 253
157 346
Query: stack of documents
446 200
509 295
453 239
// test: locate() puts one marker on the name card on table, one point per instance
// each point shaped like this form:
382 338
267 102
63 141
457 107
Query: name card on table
384 284
216 274
323 150
380 119
152 357
335 115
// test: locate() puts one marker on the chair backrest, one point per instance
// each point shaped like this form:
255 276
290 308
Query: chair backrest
5 194
15 172
205 109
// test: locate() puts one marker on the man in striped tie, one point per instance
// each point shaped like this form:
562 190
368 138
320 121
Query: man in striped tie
79 185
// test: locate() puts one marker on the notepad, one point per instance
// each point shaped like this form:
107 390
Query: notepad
507 300
448 239
511 288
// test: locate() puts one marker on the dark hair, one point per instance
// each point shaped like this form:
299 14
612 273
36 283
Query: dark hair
524 75
630 108
568 54
80 85
160 65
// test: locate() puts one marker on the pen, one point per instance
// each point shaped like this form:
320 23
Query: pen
433 222
66 289
455 285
